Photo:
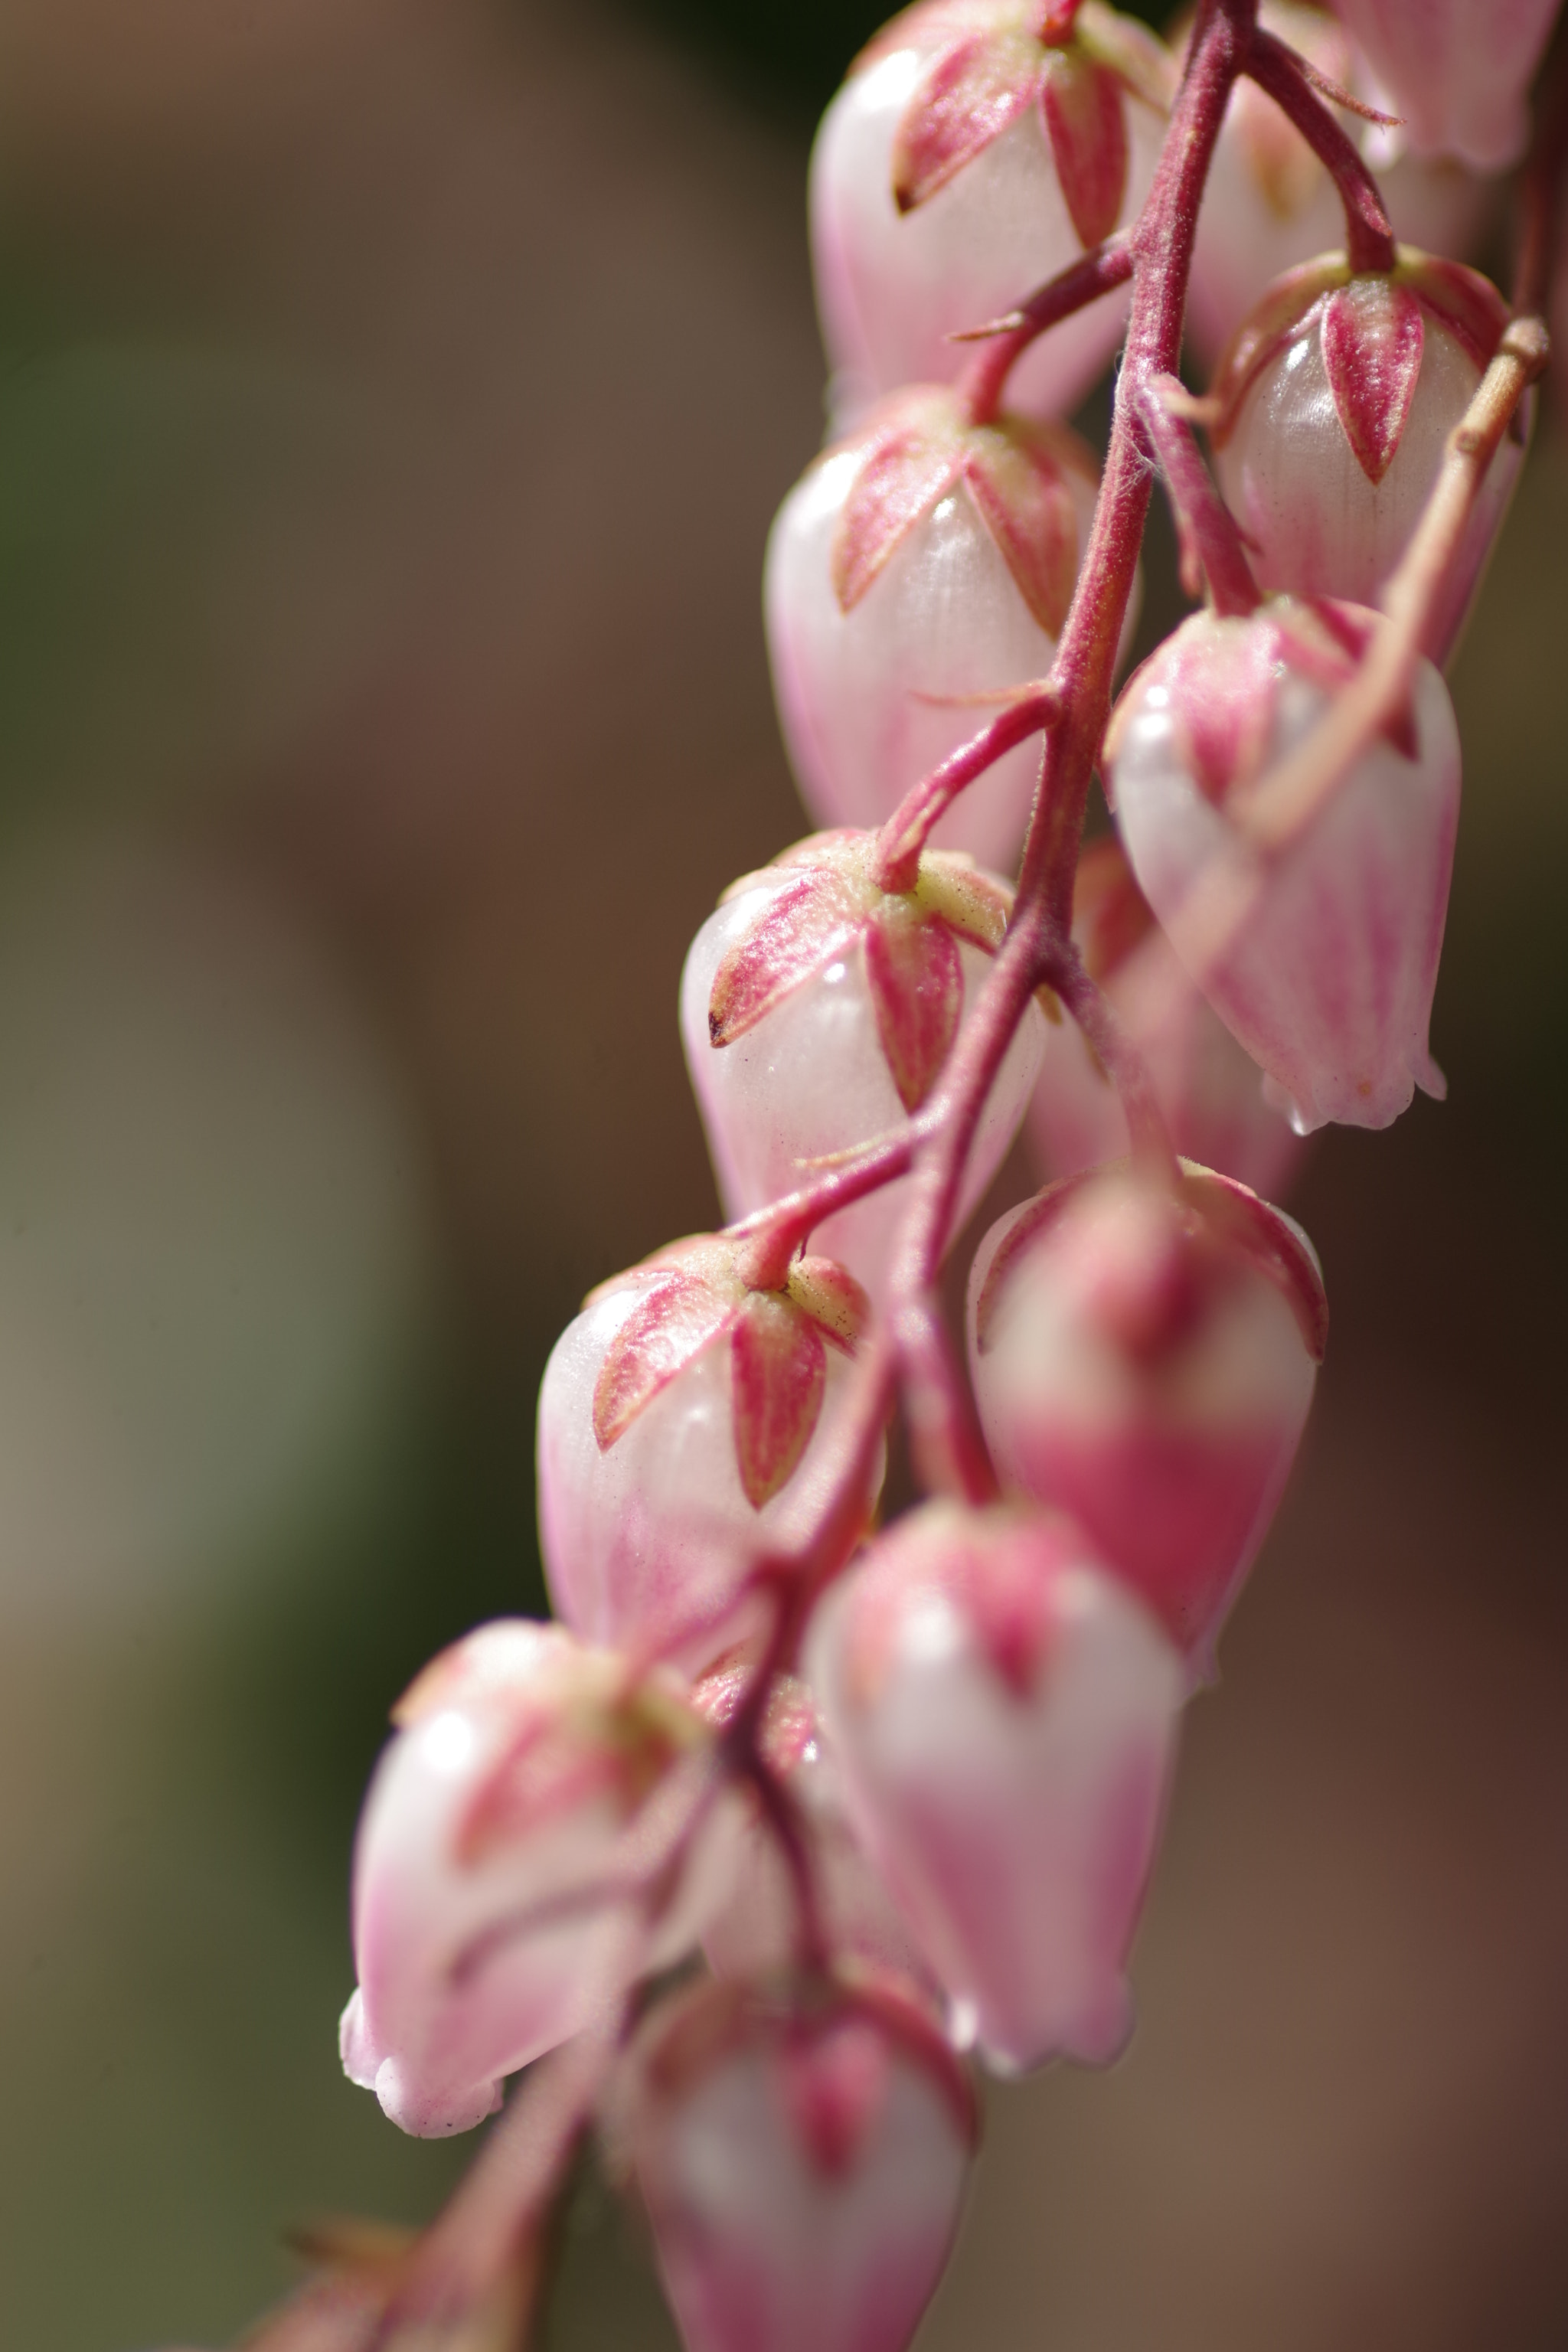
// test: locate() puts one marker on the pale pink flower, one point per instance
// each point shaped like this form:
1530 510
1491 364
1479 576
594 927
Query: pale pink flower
917 571
818 1012
965 162
691 1428
802 2158
1457 70
1003 1712
1209 1090
1335 401
1144 1359
1328 978
506 1843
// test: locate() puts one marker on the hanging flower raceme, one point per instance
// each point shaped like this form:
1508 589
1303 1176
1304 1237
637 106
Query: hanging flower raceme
1457 70
802 2151
516 1828
919 571
1270 205
1333 407
1327 978
1143 1357
1003 1711
1208 1088
818 1011
691 1426
976 150
756 1932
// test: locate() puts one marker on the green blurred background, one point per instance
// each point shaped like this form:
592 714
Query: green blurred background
394 398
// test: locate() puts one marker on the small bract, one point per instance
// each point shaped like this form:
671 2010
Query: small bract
972 154
511 1832
818 1011
1143 1357
1326 975
1209 1090
692 1425
1335 402
1003 1712
914 574
802 2153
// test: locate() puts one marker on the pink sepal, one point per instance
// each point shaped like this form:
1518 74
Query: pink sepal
778 1372
1085 121
970 94
916 989
1372 338
911 455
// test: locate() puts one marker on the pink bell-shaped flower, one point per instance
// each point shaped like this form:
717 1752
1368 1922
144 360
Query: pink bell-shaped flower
915 573
1333 404
818 1011
1269 205
1457 72
1328 979
1004 1714
972 154
1144 1359
1210 1091
803 2154
509 1830
755 1934
690 1427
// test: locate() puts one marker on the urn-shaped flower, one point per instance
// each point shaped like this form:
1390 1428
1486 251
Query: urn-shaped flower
819 1010
1334 404
692 1425
972 154
1003 1711
917 571
1321 958
1144 1356
513 1824
1455 71
802 2151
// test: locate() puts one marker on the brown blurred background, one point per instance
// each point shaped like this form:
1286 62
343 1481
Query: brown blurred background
394 397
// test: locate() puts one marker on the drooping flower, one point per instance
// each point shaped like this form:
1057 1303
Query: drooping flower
1334 402
818 1011
1144 1359
977 149
1457 70
1328 978
1209 1090
509 1838
802 2152
917 571
1003 1711
692 1425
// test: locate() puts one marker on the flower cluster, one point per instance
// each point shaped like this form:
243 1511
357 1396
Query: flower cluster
893 1794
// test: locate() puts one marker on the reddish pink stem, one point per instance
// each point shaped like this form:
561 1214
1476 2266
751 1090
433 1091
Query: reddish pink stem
1205 524
1369 238
1098 272
895 860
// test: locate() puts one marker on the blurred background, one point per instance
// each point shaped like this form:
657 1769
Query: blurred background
393 397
